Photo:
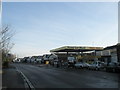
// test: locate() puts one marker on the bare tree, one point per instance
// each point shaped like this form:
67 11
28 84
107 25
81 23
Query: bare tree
6 35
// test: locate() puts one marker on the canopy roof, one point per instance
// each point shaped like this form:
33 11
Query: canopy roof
76 49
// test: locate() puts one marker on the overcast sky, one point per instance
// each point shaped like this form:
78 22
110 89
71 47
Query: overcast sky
42 26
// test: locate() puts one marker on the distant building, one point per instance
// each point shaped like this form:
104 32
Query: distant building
110 54
45 58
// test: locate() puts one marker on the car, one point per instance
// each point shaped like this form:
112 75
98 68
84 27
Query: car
95 65
117 69
79 65
113 67
56 63
103 65
71 61
86 65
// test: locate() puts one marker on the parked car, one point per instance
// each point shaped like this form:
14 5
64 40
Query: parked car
118 68
103 65
113 67
71 61
38 60
95 65
79 65
86 65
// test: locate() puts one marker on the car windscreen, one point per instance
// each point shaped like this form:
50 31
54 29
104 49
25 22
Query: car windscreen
71 58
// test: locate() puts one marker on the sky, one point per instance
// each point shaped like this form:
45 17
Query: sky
42 26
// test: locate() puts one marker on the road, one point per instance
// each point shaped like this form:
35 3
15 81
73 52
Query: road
47 77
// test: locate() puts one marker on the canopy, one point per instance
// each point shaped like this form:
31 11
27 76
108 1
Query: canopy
76 49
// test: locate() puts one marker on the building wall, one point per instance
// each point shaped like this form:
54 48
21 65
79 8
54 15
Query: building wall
99 53
106 52
114 57
118 52
109 54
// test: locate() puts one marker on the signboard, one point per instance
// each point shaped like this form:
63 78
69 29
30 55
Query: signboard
47 62
75 48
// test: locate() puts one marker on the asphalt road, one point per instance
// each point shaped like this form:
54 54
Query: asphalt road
47 77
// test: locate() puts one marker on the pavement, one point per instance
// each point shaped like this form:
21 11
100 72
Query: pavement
11 79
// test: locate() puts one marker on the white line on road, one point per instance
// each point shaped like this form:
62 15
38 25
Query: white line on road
28 84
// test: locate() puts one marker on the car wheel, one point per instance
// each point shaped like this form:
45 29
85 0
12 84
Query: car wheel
96 68
113 70
106 69
80 67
